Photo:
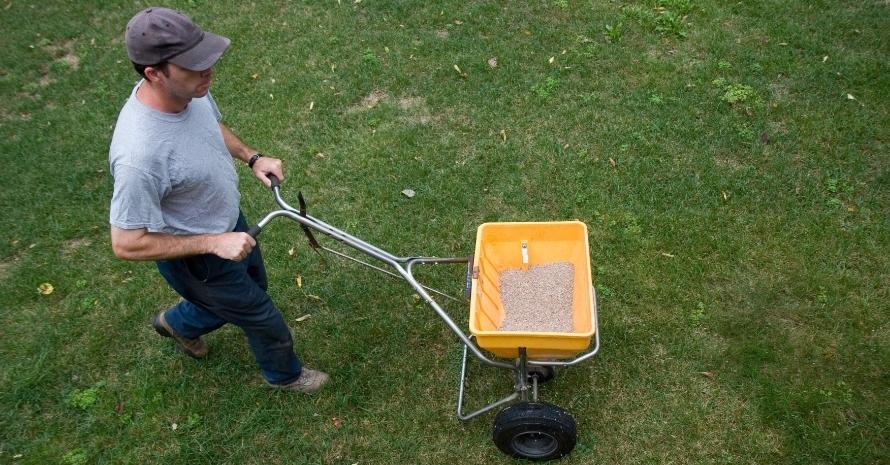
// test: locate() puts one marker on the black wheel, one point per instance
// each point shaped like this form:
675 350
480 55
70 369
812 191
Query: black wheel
534 431
544 373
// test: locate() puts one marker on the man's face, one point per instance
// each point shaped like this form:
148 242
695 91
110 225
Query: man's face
186 84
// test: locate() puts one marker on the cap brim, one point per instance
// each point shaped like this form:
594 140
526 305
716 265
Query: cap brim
204 55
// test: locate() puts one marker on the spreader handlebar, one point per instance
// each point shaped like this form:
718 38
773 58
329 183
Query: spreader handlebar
255 231
274 180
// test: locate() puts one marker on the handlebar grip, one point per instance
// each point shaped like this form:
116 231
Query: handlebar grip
254 231
274 180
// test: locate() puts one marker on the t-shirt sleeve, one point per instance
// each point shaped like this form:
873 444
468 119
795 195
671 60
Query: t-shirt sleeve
136 201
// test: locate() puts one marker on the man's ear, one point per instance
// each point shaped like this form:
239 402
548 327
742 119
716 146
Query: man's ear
155 74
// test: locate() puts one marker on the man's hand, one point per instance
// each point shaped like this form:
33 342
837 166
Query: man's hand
264 166
232 246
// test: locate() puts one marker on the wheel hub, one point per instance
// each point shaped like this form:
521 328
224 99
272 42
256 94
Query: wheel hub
535 443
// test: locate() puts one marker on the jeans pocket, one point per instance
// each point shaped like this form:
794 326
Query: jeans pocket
200 266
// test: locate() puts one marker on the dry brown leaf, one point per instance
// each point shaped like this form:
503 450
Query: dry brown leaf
336 422
504 135
291 251
708 374
119 407
612 162
45 288
299 280
551 60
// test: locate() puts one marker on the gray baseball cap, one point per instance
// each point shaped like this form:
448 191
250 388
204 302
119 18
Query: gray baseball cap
156 35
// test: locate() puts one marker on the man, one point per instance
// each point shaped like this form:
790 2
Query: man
176 198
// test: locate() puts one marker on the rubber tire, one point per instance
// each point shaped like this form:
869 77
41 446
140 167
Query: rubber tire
534 431
545 373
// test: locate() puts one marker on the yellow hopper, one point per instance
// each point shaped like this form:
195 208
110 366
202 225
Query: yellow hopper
504 246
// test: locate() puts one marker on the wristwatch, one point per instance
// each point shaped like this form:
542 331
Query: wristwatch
253 159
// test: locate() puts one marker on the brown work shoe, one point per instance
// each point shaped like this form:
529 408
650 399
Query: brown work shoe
310 381
195 348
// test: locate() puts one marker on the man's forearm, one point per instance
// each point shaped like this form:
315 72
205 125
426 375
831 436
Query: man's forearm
236 147
142 245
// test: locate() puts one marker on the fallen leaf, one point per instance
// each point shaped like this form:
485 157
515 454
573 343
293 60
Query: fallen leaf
668 255
612 162
45 288
708 374
304 318
174 426
299 280
313 296
551 60
725 195
119 407
825 58
850 97
336 421
311 105
408 193
493 62
458 22
457 68
17 456
254 76
386 49
504 135
291 251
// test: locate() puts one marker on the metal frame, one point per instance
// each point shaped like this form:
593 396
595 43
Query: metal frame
404 269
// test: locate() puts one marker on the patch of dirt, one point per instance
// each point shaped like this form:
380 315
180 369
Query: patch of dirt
407 103
5 266
71 246
414 108
418 111
728 162
368 102
780 89
64 52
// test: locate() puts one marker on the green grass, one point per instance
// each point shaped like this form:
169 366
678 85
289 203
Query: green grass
737 201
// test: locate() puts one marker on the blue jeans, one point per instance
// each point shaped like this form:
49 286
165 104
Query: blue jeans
219 291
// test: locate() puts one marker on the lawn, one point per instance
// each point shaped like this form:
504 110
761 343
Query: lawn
730 159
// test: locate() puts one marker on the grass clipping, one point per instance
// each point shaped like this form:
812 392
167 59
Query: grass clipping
538 300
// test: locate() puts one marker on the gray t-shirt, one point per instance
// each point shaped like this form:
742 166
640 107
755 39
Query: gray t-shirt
172 171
